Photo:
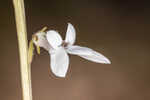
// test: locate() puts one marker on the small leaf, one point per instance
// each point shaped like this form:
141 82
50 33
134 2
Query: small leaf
30 52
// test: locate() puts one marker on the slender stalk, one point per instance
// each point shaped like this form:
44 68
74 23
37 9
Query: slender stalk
23 49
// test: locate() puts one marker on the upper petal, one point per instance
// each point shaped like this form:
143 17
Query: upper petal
59 62
88 54
54 38
70 34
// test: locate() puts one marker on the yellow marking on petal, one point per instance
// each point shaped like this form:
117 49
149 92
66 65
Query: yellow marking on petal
30 52
38 49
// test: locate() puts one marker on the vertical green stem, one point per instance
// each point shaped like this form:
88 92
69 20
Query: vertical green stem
23 49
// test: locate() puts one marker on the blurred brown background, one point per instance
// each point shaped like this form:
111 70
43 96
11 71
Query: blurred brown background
119 29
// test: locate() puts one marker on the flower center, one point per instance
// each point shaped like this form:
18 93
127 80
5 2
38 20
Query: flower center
64 44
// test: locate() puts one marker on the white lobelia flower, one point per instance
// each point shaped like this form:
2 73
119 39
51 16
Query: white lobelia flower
59 48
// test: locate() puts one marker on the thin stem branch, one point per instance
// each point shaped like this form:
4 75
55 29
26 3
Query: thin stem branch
23 49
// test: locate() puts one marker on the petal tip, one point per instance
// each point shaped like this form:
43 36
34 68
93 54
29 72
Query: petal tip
107 61
60 75
69 23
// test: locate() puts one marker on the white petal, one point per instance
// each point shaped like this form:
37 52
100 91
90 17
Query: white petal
59 62
54 38
70 34
88 54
